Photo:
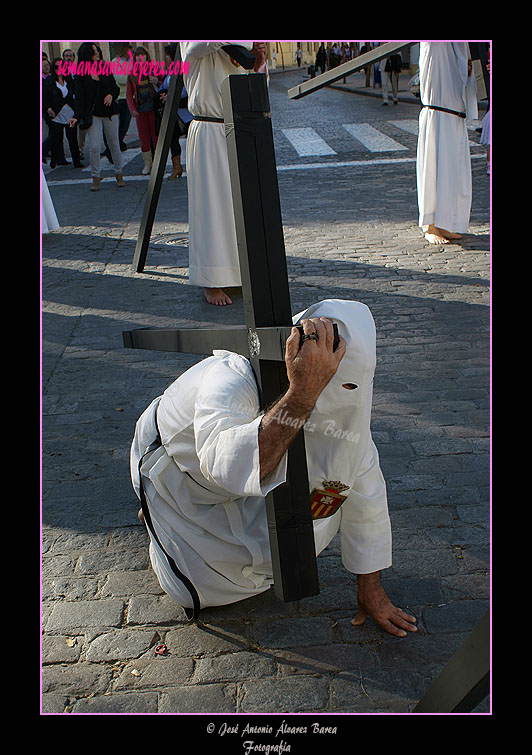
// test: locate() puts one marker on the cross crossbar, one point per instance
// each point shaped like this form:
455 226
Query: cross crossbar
346 69
265 343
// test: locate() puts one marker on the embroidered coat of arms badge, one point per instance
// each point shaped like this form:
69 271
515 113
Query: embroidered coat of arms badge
326 501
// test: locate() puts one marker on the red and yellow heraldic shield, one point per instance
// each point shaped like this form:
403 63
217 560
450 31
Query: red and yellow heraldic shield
326 501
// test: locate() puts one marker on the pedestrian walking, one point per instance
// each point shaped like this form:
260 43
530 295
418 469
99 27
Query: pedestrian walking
390 68
96 110
58 109
366 47
124 114
183 116
141 97
321 59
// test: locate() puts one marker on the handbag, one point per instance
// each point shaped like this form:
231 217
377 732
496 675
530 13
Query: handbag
86 122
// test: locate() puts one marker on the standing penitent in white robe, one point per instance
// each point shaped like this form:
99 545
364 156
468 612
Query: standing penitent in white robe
213 251
443 159
203 487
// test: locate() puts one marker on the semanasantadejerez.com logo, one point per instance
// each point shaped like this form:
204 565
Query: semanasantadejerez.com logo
123 67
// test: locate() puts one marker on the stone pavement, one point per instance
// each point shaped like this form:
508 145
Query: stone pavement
103 611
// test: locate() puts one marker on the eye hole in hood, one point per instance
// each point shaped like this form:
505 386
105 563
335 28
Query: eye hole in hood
350 386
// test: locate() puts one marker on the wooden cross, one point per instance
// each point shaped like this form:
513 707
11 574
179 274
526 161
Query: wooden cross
465 680
478 51
346 69
267 314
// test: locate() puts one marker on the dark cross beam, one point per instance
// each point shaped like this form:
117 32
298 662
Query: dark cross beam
465 680
346 69
478 50
268 319
159 164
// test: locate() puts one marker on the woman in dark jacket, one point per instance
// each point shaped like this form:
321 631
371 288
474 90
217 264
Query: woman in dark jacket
96 109
58 109
321 59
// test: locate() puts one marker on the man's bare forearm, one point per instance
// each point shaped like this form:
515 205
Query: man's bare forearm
278 428
310 364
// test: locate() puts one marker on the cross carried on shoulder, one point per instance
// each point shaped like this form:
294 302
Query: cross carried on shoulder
478 51
267 313
346 69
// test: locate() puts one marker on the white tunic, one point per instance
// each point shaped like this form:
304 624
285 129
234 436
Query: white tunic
49 221
213 251
205 495
443 159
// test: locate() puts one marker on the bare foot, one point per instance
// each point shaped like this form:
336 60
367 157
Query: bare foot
450 234
217 296
435 235
373 601
436 238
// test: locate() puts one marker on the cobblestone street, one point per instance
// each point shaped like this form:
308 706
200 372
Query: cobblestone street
350 221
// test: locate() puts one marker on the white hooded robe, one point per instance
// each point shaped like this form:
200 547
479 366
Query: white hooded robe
213 251
443 158
206 499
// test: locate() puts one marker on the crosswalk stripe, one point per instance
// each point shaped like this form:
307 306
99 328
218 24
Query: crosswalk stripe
411 127
307 143
280 168
373 140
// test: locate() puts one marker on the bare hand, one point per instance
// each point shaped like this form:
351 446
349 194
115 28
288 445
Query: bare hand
259 50
310 368
72 122
107 100
374 602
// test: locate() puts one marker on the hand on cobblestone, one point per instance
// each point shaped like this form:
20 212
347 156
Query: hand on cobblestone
373 601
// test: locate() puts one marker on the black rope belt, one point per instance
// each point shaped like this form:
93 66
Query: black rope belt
207 118
191 614
446 110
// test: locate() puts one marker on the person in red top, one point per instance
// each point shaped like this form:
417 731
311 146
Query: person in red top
141 93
